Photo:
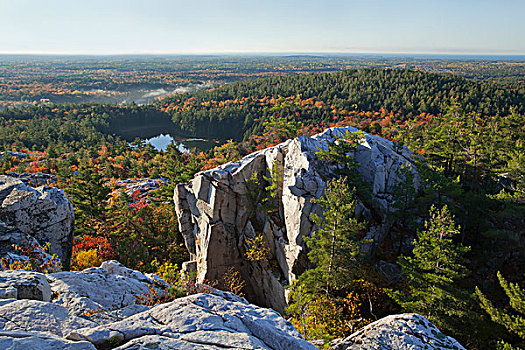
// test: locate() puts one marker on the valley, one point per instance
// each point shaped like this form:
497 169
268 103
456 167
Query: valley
232 181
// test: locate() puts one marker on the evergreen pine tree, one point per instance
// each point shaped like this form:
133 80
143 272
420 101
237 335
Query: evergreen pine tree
431 273
404 193
340 153
334 246
513 322
89 194
335 252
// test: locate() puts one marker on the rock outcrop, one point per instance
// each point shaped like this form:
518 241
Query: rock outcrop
43 213
218 211
140 187
41 341
96 308
33 179
22 284
98 291
399 332
200 321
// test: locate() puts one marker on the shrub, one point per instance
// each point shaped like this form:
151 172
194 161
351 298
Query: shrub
233 282
85 259
168 271
36 256
257 248
90 251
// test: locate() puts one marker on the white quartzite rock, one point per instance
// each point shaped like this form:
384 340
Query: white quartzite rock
164 343
216 213
115 268
196 322
40 316
22 284
399 332
43 213
96 290
20 340
96 307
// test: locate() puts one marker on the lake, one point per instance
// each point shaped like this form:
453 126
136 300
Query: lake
161 142
157 129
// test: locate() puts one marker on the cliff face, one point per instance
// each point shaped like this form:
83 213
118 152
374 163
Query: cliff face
218 210
43 213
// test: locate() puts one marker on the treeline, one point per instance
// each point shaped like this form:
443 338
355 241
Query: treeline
69 128
236 110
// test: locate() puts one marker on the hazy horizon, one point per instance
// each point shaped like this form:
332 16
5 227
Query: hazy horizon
162 27
391 55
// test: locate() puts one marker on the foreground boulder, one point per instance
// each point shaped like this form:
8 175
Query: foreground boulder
399 332
201 321
21 284
217 212
97 308
43 213
98 291
42 341
40 316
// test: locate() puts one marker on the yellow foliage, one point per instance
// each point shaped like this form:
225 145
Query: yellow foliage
167 271
257 248
85 259
323 319
353 305
234 282
327 318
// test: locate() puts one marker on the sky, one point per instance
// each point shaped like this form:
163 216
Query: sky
263 26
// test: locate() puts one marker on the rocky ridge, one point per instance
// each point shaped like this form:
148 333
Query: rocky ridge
217 214
97 308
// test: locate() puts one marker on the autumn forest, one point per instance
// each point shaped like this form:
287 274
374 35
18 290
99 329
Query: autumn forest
71 122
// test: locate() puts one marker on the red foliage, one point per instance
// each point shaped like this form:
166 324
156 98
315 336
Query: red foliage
101 244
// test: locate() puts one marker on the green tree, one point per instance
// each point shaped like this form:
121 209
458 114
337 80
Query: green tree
443 136
340 153
432 272
514 322
143 233
317 297
340 156
404 193
89 194
178 167
280 126
334 246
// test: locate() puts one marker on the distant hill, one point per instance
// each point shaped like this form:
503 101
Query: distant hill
235 110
